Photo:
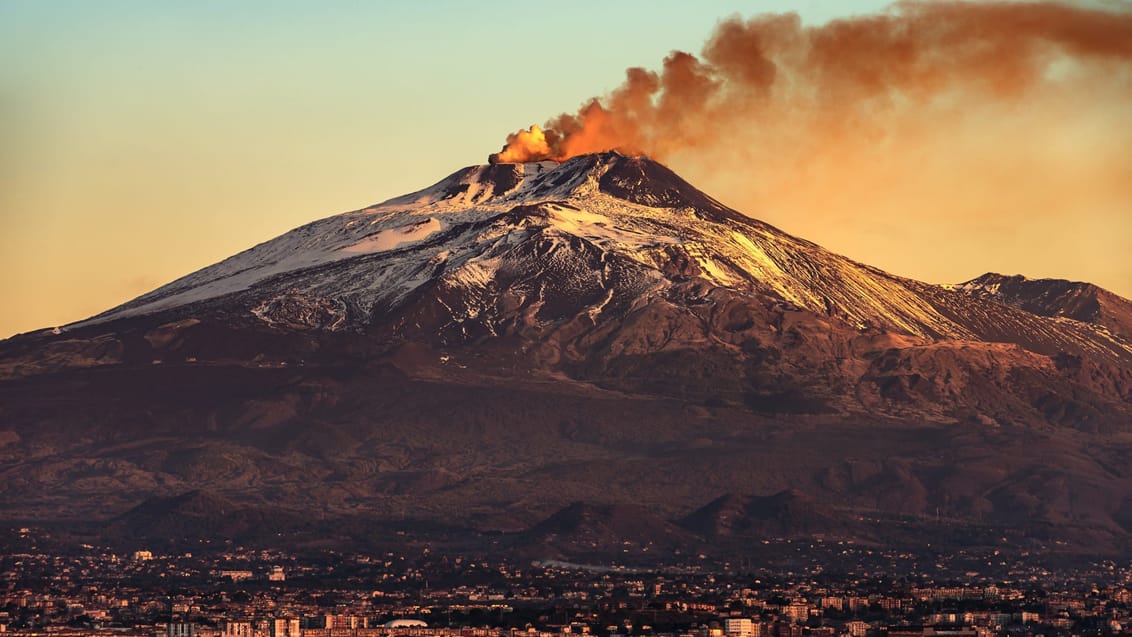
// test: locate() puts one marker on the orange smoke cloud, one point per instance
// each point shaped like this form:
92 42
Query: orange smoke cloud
523 145
771 71
938 140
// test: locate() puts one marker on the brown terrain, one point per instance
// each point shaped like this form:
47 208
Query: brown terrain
584 393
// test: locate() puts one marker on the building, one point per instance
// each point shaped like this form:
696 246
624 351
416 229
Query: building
285 627
237 629
236 576
406 623
738 627
181 629
797 610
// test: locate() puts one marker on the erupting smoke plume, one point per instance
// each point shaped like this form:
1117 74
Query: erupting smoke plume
850 71
955 115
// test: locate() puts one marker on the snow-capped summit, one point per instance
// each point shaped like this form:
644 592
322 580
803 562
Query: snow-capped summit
592 235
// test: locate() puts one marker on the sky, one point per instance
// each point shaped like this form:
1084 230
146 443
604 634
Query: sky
143 140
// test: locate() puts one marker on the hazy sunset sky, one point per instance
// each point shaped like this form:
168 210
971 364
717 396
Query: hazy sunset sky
142 140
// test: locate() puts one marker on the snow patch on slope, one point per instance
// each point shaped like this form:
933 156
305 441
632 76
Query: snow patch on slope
396 237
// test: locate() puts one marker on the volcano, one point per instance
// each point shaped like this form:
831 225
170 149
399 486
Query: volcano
521 338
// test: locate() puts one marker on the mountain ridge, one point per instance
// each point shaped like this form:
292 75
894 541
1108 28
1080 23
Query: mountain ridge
797 271
1080 301
519 337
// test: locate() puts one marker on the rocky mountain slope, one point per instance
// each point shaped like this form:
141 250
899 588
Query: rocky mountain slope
1083 302
520 337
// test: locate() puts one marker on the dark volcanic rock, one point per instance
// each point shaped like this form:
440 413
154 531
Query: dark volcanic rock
199 514
583 528
784 514
1057 297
